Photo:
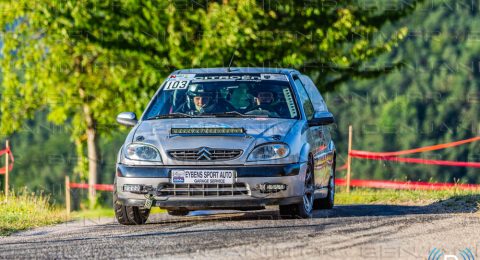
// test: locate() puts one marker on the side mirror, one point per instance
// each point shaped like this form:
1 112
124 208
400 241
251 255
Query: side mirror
321 118
127 119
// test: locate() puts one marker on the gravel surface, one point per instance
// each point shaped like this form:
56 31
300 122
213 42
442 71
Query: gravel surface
345 232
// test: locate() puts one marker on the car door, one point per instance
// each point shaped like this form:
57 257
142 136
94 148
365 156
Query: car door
324 155
314 134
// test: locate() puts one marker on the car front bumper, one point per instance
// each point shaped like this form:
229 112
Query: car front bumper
246 192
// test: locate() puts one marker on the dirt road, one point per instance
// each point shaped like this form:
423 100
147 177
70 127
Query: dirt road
346 232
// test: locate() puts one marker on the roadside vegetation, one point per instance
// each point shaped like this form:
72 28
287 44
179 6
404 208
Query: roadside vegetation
450 199
23 210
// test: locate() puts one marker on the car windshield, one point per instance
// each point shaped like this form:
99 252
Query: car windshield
224 95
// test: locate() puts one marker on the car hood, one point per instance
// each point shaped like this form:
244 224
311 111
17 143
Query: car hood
257 130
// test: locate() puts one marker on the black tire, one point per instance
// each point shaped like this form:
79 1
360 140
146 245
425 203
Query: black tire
303 209
178 212
129 215
329 201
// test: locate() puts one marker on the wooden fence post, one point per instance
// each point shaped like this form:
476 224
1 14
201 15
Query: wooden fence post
67 194
6 169
349 158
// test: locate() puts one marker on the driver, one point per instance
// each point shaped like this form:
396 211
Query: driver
200 100
263 103
264 99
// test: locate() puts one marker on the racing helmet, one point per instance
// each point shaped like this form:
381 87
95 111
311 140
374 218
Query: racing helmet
209 96
265 95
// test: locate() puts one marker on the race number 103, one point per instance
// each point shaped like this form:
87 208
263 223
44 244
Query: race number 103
177 84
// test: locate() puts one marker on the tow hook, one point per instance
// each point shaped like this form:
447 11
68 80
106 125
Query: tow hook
148 201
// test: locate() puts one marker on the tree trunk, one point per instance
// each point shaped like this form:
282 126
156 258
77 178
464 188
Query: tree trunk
92 154
92 149
92 145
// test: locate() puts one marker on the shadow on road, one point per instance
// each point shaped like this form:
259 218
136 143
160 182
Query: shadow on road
270 219
456 204
267 222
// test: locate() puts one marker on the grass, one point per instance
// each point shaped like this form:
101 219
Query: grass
22 211
448 198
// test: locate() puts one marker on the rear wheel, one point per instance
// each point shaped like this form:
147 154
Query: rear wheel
329 201
178 212
303 209
129 215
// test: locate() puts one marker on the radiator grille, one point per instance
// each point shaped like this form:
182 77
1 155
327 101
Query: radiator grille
202 190
203 154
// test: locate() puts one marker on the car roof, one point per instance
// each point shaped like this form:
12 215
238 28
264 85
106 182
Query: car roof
236 70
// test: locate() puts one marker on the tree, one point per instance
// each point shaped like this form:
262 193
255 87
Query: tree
333 41
87 60
434 98
47 62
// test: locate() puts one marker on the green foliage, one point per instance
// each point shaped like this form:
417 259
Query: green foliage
45 65
432 99
85 61
330 41
43 155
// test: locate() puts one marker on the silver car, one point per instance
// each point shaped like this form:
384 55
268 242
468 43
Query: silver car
227 138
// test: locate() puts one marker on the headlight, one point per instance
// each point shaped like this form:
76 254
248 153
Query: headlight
269 152
142 152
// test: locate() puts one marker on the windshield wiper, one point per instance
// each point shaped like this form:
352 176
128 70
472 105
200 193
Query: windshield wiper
171 115
233 113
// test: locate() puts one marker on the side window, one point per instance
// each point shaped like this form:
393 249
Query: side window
304 99
315 96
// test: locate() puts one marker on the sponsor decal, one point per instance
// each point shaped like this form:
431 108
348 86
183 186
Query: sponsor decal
244 77
279 77
178 177
291 105
186 76
181 77
203 176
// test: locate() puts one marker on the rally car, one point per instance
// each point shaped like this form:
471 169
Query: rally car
227 138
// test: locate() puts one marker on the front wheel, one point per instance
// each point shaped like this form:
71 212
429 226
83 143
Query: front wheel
329 201
303 209
129 215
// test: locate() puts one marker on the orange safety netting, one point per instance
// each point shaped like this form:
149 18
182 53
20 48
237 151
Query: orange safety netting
417 150
393 156
10 164
100 187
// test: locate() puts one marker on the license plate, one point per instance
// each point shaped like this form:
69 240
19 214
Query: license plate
202 176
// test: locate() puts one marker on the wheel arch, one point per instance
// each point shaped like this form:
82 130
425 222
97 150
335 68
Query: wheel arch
305 153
